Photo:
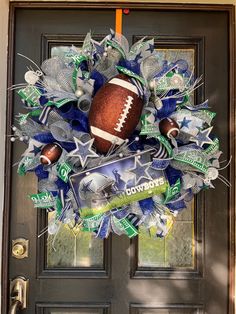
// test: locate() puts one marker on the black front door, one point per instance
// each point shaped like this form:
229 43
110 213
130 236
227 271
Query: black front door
186 273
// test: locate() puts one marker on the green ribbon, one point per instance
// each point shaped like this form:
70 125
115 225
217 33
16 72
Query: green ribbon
213 148
92 223
172 191
148 128
116 46
21 170
166 144
194 158
184 102
126 226
31 95
78 59
130 73
43 200
205 115
22 117
58 103
35 113
58 205
27 163
163 84
63 170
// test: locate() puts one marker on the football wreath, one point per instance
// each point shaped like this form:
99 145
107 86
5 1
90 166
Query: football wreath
115 137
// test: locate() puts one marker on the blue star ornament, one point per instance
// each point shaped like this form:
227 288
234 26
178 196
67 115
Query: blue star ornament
140 170
202 137
33 149
83 151
185 123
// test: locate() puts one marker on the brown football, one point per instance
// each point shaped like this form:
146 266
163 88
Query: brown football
50 153
115 112
169 127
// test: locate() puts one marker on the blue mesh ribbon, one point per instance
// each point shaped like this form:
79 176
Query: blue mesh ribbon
160 164
44 138
40 172
176 205
147 206
173 174
169 106
104 228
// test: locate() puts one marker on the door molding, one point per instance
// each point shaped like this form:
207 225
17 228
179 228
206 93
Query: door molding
229 9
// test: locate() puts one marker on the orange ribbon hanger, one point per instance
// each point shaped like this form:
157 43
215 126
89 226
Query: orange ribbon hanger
119 21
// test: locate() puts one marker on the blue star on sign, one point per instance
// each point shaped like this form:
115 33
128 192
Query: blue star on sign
83 151
184 123
140 171
202 137
86 187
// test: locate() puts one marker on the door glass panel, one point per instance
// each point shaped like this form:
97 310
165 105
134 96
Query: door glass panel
72 248
174 251
177 249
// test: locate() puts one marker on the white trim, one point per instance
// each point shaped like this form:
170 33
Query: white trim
171 130
126 107
46 158
106 136
125 84
4 13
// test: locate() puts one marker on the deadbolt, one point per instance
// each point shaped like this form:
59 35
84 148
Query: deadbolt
20 248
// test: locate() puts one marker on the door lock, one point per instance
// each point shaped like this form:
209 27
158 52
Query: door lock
20 248
18 294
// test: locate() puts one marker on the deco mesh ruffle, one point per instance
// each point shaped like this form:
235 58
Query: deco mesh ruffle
114 137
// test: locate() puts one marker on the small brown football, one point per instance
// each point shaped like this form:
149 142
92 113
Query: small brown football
50 153
115 112
169 127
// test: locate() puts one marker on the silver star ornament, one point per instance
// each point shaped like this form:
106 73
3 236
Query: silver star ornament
83 151
202 137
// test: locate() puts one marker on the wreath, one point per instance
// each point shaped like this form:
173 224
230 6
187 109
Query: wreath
114 137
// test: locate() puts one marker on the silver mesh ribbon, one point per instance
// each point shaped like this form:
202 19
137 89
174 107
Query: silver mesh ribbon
61 131
52 66
64 79
150 67
46 185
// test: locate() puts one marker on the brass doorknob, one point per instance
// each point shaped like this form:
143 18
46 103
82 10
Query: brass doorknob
20 248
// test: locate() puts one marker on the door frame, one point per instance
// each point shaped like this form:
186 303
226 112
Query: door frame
230 10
